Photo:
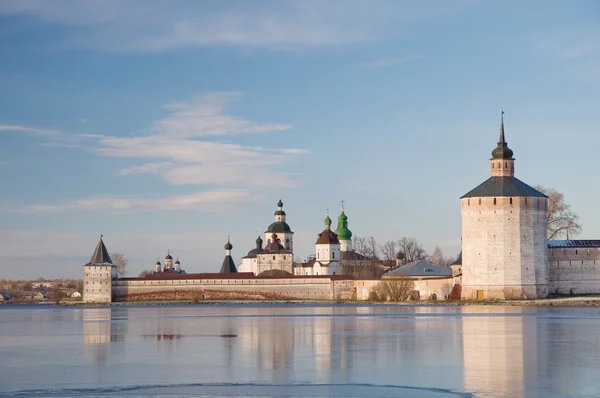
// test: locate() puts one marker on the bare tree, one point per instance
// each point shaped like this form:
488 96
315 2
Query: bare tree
57 295
372 248
562 221
397 289
144 273
120 261
437 258
359 245
412 249
388 251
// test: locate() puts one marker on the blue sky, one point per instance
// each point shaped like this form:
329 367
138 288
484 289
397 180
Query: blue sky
175 124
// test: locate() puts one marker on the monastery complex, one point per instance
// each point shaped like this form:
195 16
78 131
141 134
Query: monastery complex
505 256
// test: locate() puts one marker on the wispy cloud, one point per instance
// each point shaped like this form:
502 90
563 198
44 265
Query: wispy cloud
211 200
28 130
151 26
176 150
391 61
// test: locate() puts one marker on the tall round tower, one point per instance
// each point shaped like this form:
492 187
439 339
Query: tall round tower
504 253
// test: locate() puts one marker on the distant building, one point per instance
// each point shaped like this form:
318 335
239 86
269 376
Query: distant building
4 297
431 281
41 295
98 275
169 267
76 294
327 258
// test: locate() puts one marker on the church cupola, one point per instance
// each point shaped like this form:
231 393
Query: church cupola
228 265
281 228
168 260
177 265
502 163
158 266
259 243
280 214
343 233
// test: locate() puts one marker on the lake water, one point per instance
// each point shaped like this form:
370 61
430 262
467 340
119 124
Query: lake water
256 350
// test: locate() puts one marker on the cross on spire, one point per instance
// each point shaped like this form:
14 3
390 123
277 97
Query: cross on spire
342 202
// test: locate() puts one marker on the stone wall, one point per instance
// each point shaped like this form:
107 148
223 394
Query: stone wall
574 270
235 288
504 248
97 286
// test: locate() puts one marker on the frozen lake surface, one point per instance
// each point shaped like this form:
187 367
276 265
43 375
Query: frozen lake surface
265 350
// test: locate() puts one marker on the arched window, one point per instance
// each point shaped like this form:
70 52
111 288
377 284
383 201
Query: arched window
318 255
273 257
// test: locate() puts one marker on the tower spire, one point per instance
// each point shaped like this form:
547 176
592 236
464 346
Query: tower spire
502 139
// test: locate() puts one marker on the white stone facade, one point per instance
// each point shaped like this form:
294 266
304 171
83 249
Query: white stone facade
97 283
574 270
504 247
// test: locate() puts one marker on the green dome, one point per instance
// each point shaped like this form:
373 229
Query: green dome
327 222
342 231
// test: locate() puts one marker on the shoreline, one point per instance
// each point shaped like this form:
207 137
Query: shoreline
570 301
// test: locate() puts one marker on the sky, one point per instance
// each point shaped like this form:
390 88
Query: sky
175 125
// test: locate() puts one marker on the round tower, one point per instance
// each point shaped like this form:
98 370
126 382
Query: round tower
343 233
504 250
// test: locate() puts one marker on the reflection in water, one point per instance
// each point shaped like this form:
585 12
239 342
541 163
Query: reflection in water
485 350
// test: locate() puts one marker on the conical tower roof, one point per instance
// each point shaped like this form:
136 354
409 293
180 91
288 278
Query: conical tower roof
100 255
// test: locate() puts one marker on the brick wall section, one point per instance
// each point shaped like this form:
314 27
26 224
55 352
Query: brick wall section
97 286
235 288
504 248
574 270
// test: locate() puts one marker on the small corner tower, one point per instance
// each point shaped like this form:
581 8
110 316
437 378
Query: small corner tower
504 253
328 251
343 233
281 228
98 275
228 264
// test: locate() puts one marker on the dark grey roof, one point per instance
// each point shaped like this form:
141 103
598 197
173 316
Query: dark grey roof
280 213
228 265
5 295
503 186
279 227
573 243
420 268
458 260
100 256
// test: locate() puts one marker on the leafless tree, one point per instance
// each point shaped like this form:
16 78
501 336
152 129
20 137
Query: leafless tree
397 289
562 221
120 261
144 273
388 251
437 258
57 295
412 249
372 248
359 245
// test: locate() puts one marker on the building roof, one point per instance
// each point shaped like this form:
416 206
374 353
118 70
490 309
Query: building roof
4 296
503 186
327 237
228 266
419 268
279 227
573 243
458 260
236 275
502 151
100 255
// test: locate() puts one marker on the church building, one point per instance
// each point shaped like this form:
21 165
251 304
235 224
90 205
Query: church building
504 252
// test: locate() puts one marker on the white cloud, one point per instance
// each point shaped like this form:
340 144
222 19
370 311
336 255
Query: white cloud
392 61
211 200
28 130
150 26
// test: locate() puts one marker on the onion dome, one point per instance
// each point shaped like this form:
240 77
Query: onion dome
342 231
158 262
327 222
280 203
168 256
177 261
259 242
228 245
502 151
